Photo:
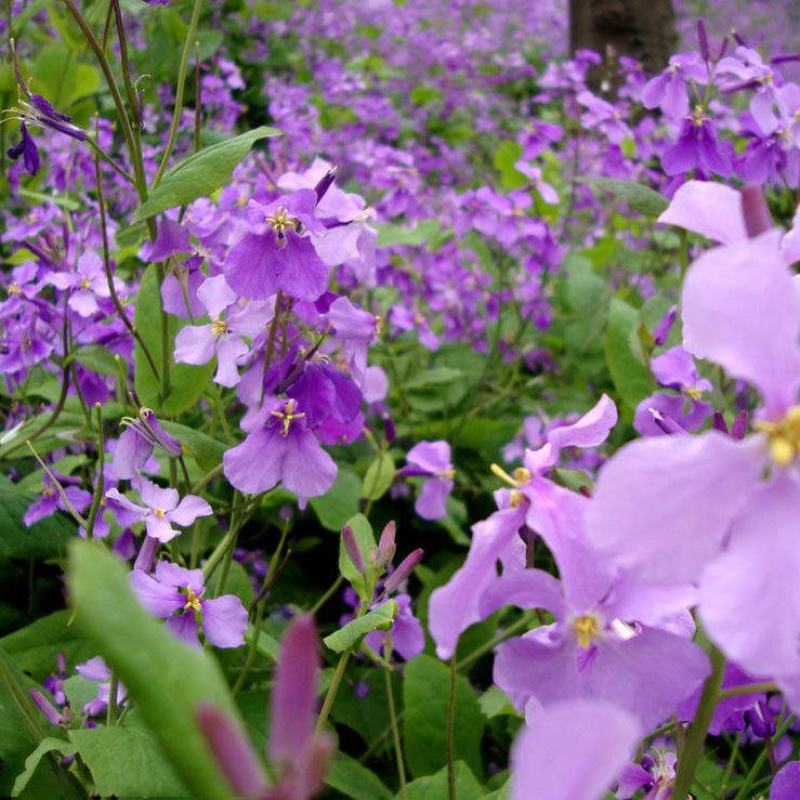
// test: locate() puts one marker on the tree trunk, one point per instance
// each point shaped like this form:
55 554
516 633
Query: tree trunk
644 29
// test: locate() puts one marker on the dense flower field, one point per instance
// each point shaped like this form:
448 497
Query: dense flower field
394 406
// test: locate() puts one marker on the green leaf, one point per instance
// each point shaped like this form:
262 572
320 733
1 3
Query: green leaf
378 620
340 502
426 692
97 358
434 787
125 761
166 678
61 78
266 645
48 538
48 745
362 531
35 647
201 174
390 235
624 355
379 477
639 197
505 159
187 382
437 389
79 691
353 780
204 449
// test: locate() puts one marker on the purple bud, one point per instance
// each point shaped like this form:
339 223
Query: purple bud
407 566
325 183
738 39
786 58
739 427
159 436
26 148
661 331
723 48
719 423
351 546
388 428
61 663
386 545
232 751
702 38
147 554
54 716
757 218
762 720
294 697
667 424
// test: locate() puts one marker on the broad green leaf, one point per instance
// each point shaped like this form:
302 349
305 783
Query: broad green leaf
639 197
348 776
201 174
48 538
187 383
35 647
48 745
62 78
97 358
379 477
426 692
624 355
390 235
266 645
68 203
434 787
204 449
62 432
167 679
340 502
437 389
125 761
494 702
378 620
79 691
505 159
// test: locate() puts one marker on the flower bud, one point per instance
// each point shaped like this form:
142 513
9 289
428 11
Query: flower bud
757 218
386 545
702 38
353 552
402 573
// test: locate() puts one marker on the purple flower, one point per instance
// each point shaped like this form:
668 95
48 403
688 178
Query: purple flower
280 449
282 257
95 669
786 784
432 460
603 116
135 445
178 596
572 751
668 91
162 509
198 344
88 283
51 500
698 148
655 773
26 148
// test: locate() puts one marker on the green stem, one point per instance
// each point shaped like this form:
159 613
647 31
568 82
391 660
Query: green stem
744 789
166 341
111 715
333 689
133 101
226 563
451 727
398 750
749 688
97 499
692 751
520 625
327 596
179 90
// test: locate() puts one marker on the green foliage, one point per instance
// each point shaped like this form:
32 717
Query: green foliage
340 502
434 787
637 196
48 745
204 449
353 780
379 477
505 159
166 678
365 539
426 692
625 355
390 235
201 173
380 619
187 383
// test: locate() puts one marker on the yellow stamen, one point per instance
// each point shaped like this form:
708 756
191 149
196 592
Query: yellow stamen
218 327
287 416
783 437
192 600
160 513
14 288
695 394
587 629
85 283
281 221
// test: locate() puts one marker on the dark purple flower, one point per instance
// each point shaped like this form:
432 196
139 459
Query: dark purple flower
698 148
26 148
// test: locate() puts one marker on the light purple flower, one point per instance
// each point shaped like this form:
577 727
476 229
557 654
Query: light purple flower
786 784
698 148
198 344
572 751
668 91
280 449
432 460
178 596
162 508
51 500
95 669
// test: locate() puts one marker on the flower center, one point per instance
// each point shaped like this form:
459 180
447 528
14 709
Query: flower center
14 288
85 283
218 327
160 513
280 221
587 629
287 416
192 600
697 117
783 437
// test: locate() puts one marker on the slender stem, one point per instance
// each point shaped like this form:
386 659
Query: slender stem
515 627
327 596
333 690
226 563
133 101
166 339
451 728
97 499
101 202
398 750
179 90
744 789
748 688
692 751
207 478
198 106
111 715
107 158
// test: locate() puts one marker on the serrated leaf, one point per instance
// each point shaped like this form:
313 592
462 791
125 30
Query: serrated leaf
48 745
624 355
426 692
202 173
380 619
166 678
639 197
187 382
379 477
125 761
